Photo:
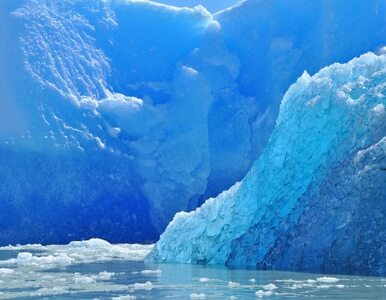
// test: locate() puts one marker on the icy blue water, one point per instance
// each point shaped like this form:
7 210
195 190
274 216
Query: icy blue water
96 269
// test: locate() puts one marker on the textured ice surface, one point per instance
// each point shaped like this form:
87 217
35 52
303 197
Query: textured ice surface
41 271
117 114
211 5
94 250
315 199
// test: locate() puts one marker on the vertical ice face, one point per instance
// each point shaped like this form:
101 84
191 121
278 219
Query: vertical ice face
103 117
309 191
277 40
146 108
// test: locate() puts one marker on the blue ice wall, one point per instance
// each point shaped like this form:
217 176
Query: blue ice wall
275 41
314 200
148 107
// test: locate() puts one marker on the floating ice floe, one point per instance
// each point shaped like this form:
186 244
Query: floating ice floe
261 293
197 296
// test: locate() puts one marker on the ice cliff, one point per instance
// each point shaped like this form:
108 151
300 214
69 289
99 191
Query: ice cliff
315 199
116 114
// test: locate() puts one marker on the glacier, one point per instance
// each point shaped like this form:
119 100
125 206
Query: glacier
116 114
315 198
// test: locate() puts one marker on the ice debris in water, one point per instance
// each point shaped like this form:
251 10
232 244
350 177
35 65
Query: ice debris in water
75 253
31 268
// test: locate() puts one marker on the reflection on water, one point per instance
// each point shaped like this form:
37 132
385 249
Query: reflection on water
97 270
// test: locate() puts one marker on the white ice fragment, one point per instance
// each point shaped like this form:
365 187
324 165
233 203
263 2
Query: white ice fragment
233 285
269 287
326 279
105 275
310 281
324 286
143 286
197 296
51 291
80 279
125 297
6 271
148 272
261 293
379 108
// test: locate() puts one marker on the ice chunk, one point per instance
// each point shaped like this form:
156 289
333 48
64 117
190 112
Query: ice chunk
105 275
326 279
75 253
142 286
125 297
310 166
197 296
6 271
233 285
261 294
269 287
149 272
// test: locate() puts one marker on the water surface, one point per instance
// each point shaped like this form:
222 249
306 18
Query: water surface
96 269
